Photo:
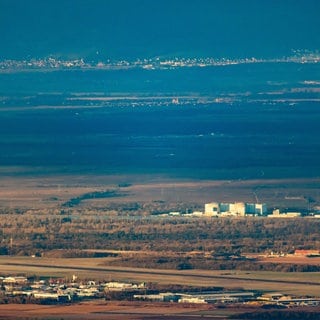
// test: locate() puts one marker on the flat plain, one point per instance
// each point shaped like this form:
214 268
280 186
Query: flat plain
41 193
117 311
50 191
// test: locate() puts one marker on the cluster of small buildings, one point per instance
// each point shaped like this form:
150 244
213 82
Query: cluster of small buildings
60 290
288 301
152 63
231 297
206 297
54 290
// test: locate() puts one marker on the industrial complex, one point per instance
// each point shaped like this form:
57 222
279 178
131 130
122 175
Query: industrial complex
241 209
234 209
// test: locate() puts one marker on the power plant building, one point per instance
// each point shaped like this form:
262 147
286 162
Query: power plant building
234 209
256 208
212 209
238 208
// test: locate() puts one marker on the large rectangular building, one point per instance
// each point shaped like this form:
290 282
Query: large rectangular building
211 209
234 209
238 208
256 208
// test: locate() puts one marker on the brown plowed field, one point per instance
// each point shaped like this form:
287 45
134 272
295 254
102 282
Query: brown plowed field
103 310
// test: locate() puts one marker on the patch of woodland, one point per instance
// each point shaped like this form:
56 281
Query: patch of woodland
278 315
185 262
222 241
76 253
93 195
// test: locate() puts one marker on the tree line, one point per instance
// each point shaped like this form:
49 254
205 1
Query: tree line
38 234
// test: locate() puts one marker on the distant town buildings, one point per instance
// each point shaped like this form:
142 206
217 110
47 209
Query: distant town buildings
51 62
175 101
225 297
61 290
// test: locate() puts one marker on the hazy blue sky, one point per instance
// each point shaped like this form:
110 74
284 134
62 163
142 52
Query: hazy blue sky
141 28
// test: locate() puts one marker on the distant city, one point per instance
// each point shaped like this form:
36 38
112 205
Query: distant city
51 62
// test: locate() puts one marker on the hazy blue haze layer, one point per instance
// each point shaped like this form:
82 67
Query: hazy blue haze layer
199 142
101 29
246 138
271 128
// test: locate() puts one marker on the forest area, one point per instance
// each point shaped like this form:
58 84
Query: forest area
162 242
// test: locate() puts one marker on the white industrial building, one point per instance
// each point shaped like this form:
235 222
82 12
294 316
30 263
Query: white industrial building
215 209
256 208
212 209
238 208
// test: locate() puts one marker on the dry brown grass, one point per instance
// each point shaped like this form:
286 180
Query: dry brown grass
39 191
291 259
99 309
113 310
90 268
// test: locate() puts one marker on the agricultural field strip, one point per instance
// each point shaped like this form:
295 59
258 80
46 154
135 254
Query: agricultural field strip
95 310
162 273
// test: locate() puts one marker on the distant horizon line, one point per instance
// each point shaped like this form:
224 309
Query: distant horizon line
54 62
